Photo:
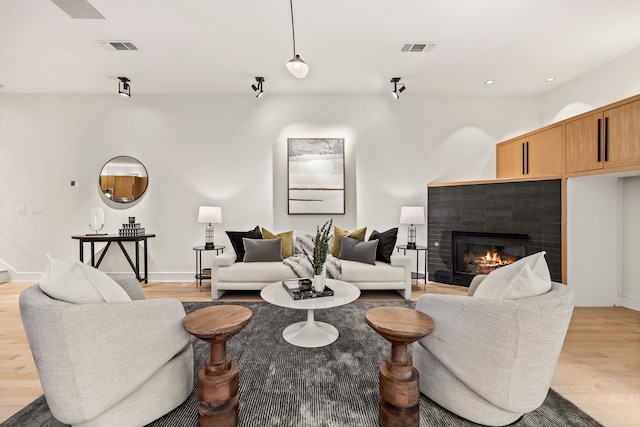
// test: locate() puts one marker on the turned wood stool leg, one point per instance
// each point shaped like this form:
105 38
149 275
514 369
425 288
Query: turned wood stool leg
399 380
399 390
218 377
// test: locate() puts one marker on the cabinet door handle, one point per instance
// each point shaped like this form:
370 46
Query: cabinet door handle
527 157
523 156
606 139
599 139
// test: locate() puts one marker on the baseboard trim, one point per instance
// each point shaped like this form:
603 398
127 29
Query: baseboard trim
153 277
629 302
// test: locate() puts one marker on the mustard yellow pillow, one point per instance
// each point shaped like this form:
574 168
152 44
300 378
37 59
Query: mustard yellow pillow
337 238
287 241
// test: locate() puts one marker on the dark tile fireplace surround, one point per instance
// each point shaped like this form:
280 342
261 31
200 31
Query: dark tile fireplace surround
530 210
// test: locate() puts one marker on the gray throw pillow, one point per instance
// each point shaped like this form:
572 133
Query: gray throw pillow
257 250
353 250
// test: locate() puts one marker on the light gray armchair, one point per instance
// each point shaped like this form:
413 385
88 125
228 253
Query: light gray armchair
109 364
492 360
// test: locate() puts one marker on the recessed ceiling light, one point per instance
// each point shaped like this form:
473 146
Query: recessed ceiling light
550 79
489 82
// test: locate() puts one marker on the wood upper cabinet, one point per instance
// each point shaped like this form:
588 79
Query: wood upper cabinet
538 154
606 139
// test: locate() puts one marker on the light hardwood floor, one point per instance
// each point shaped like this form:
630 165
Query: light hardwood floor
598 370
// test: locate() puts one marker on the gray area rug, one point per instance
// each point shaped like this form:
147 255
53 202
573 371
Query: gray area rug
336 385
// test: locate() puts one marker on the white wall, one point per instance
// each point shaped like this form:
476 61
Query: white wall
630 247
592 240
227 151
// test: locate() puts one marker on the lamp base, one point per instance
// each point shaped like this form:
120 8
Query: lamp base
209 245
411 245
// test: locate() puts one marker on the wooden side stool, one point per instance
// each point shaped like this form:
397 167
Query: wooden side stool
399 386
218 378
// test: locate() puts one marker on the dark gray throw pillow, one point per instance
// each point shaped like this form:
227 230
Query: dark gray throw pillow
353 250
386 243
236 240
256 250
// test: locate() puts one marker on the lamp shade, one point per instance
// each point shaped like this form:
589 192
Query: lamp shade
210 215
412 215
298 67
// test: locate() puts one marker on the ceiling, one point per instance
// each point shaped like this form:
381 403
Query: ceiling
351 46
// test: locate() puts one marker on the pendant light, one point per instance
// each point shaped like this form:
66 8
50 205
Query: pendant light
296 65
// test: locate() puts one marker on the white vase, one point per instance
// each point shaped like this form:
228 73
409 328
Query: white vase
319 281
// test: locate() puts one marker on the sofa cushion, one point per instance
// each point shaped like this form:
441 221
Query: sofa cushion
287 241
358 272
339 232
77 283
236 240
255 272
256 250
527 277
386 243
353 250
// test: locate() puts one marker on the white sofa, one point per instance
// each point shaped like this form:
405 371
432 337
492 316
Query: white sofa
227 274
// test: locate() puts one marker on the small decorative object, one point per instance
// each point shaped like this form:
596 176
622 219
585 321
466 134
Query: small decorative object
411 215
132 220
320 251
131 229
96 221
209 215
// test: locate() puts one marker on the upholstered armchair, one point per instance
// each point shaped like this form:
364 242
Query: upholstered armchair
489 359
109 363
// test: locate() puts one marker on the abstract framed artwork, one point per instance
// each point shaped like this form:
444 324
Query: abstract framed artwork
315 176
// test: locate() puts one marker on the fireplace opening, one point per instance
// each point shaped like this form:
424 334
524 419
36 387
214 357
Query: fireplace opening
476 253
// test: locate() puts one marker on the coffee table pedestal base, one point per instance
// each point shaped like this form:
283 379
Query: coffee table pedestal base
310 334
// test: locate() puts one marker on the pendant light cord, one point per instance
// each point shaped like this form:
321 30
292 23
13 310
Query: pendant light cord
293 29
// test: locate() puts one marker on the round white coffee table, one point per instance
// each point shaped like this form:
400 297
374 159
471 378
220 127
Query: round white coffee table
311 333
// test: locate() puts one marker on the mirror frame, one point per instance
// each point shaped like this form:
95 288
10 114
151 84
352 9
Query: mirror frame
110 189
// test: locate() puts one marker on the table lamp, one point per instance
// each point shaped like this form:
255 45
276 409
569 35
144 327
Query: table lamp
411 215
209 215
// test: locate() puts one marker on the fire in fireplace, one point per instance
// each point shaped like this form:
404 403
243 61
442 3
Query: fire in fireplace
480 253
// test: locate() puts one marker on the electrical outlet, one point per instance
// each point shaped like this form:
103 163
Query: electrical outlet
21 210
37 210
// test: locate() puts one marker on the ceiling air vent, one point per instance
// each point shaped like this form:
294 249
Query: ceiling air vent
417 47
118 45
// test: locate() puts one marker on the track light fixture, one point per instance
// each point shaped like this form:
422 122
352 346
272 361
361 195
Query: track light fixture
258 88
397 90
296 66
124 88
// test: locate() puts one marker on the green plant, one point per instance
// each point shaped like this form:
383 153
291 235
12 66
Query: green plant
321 247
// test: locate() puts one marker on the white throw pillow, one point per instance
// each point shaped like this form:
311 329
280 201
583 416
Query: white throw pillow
77 283
527 277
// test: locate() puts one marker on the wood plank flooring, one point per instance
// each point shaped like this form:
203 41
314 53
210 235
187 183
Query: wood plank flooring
598 370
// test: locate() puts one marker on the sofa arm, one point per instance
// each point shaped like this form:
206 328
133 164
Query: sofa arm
476 339
404 261
225 259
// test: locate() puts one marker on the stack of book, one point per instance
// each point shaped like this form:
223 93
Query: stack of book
131 229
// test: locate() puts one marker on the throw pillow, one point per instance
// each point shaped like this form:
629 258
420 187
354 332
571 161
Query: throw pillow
527 277
354 250
386 244
236 240
339 232
77 283
257 250
287 241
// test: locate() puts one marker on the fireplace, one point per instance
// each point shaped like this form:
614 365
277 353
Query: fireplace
476 253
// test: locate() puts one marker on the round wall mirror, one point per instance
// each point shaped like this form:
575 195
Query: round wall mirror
123 179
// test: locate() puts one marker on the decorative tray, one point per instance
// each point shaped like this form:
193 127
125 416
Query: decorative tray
297 289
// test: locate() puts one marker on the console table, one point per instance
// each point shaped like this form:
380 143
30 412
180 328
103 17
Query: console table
110 238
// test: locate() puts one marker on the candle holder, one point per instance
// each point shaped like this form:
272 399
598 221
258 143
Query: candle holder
96 222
